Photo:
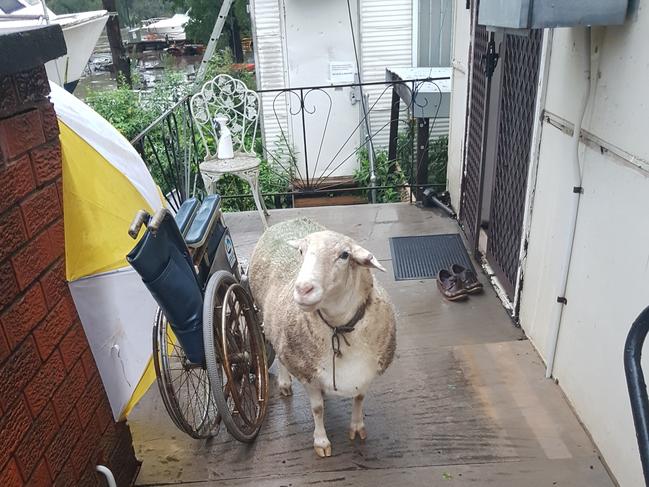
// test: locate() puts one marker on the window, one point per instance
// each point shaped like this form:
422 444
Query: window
434 39
9 6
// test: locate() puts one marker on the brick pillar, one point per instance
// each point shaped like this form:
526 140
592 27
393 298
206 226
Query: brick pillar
55 420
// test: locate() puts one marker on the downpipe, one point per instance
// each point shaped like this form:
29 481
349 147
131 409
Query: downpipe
370 150
573 210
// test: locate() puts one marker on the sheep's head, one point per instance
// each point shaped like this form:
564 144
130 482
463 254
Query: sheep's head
331 265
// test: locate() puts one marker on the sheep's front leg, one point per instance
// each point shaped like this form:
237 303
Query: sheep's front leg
321 443
358 425
284 380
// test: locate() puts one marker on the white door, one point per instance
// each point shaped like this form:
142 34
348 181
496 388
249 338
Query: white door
317 34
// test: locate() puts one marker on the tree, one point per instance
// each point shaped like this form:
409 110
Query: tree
203 16
131 12
121 63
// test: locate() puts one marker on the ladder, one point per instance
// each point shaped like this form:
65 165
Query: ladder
214 38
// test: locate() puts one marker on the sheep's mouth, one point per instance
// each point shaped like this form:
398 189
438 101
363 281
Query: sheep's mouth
307 304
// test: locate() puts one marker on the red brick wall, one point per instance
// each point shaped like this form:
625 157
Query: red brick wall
55 421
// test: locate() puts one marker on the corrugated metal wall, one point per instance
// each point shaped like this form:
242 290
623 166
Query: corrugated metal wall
386 40
271 69
385 37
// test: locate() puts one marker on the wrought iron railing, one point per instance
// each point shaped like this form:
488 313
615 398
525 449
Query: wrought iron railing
310 147
171 150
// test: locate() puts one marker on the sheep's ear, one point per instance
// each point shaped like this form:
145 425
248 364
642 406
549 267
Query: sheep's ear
365 258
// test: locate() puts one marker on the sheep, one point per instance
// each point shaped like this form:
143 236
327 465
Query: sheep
331 324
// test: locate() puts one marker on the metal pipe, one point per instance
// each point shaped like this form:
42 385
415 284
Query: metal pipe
637 386
370 152
105 471
46 15
21 17
449 211
573 212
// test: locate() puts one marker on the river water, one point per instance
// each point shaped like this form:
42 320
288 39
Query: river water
151 67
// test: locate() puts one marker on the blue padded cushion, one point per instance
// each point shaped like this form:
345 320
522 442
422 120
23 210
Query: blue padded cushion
185 214
201 222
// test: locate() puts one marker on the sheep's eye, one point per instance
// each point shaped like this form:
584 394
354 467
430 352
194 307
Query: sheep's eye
301 253
344 255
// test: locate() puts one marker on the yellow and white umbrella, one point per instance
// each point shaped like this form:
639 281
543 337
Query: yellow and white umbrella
105 182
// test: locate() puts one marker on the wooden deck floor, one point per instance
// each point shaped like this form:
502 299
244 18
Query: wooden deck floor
464 404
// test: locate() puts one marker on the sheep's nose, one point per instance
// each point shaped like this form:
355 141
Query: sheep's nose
303 288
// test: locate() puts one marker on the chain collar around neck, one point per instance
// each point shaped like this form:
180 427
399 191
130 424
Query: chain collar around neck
338 331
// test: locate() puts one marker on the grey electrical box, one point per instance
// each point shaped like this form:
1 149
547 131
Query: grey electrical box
537 14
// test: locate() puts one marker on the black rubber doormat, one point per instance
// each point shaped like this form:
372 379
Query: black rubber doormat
423 256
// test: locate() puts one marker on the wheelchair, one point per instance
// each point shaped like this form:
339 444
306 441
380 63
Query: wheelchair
210 356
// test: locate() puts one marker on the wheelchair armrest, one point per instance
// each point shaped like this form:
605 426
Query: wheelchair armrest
186 213
204 221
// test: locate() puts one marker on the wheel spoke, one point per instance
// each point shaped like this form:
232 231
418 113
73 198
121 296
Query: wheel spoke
234 328
183 386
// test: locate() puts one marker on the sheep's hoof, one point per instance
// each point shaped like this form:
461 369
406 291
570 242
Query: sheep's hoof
362 433
286 390
322 452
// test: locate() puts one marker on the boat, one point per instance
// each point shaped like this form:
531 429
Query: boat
80 30
167 29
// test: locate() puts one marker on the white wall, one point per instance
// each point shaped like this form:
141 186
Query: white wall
609 275
460 63
318 33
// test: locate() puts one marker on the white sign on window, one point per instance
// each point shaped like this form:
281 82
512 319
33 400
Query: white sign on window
341 72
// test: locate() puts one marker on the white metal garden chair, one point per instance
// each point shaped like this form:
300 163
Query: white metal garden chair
225 95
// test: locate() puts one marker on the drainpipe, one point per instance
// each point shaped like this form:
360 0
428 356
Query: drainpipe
573 210
370 151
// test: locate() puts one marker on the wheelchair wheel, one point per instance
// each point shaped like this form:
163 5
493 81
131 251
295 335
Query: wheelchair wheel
184 387
235 354
270 354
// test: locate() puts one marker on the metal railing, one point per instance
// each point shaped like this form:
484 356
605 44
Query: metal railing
308 154
171 150
637 386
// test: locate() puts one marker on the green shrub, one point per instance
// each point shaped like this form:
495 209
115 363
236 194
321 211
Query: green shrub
402 172
437 158
384 176
438 161
130 111
222 63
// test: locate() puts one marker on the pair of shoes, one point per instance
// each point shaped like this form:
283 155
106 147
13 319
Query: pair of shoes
458 283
